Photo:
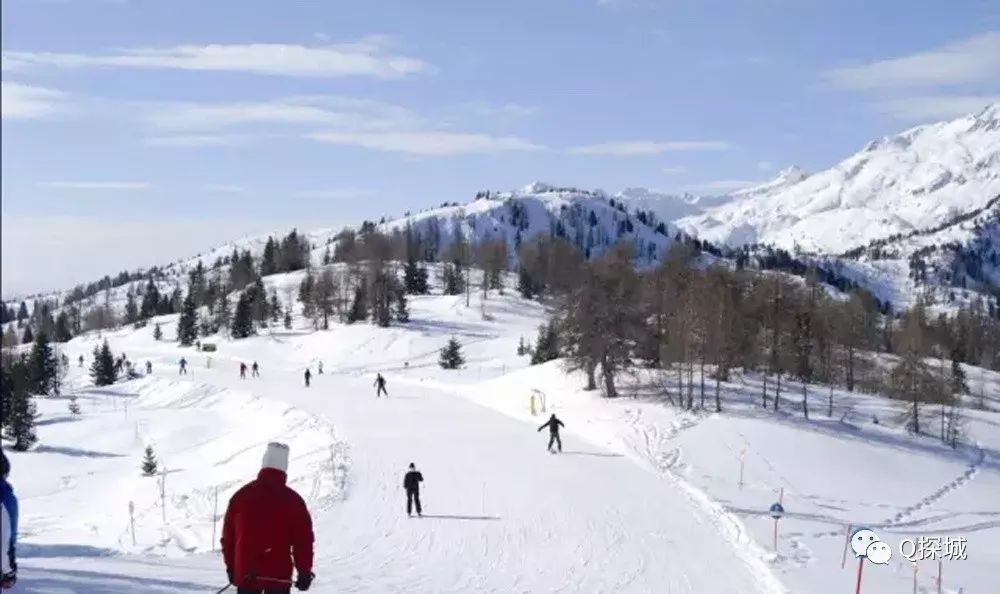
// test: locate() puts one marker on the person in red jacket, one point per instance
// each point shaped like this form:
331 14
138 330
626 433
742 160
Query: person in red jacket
267 527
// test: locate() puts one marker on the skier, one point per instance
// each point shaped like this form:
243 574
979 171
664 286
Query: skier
184 365
411 482
380 386
81 360
149 368
8 511
267 530
308 376
553 424
320 368
256 369
243 370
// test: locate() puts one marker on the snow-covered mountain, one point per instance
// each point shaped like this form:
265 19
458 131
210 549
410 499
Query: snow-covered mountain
918 179
666 206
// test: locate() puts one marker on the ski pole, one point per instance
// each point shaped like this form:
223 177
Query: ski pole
223 589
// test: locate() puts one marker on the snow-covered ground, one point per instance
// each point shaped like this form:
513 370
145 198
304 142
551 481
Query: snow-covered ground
645 497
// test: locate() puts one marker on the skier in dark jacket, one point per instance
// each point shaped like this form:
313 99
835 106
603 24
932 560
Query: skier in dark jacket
268 532
308 377
553 424
184 365
411 482
149 368
256 369
81 360
243 370
8 509
380 386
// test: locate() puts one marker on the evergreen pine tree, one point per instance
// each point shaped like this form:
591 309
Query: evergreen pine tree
149 464
157 332
10 337
959 384
547 345
415 278
359 306
102 369
522 349
63 332
288 319
525 286
451 355
150 300
402 308
243 318
223 313
19 408
74 406
275 307
22 314
43 367
306 294
29 336
187 325
269 260
131 309
454 283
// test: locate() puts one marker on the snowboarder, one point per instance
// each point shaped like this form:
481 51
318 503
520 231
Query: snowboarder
319 369
184 365
243 370
149 368
81 360
267 530
308 377
380 386
8 511
411 482
256 369
553 424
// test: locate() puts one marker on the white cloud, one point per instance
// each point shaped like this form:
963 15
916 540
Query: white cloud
940 107
428 143
340 112
972 60
370 57
675 169
336 193
765 166
127 186
24 102
629 148
196 140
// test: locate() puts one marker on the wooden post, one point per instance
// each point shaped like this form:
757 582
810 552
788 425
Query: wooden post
131 520
914 564
940 562
776 535
215 516
743 457
861 566
847 545
163 494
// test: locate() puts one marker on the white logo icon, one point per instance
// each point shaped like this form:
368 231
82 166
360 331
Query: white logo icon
879 553
861 540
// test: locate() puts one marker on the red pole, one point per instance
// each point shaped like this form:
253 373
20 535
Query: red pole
861 565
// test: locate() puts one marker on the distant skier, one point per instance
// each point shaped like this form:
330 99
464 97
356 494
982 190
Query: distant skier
308 377
8 511
149 368
81 360
256 369
553 424
267 532
319 369
411 482
243 370
184 367
380 386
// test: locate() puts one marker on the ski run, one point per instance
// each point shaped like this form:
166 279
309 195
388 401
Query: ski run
644 497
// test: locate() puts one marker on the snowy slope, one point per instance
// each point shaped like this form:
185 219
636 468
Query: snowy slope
918 179
644 498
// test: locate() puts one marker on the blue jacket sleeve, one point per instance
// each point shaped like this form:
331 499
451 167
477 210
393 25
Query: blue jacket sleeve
10 503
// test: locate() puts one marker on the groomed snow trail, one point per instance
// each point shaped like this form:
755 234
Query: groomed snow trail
501 514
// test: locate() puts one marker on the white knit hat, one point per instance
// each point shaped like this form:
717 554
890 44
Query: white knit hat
276 456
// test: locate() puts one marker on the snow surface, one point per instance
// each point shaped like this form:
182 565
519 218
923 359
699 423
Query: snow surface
643 499
918 179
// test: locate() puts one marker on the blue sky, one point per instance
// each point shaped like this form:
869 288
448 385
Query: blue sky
176 125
